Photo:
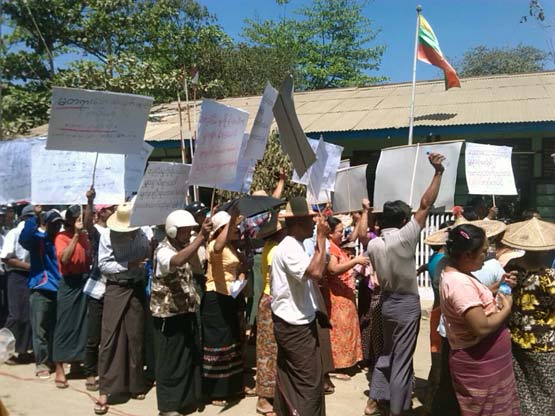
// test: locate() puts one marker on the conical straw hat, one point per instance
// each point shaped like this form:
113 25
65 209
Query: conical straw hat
531 235
491 227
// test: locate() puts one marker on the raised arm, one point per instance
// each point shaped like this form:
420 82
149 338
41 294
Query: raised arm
27 236
280 184
184 255
431 193
89 211
317 264
366 219
228 229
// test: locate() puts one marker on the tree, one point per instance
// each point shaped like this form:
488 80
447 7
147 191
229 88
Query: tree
327 44
482 60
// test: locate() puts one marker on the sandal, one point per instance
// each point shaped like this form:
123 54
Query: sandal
100 408
43 374
61 384
138 396
328 389
372 409
221 403
341 376
92 386
250 392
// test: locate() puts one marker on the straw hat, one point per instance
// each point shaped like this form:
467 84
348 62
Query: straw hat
119 220
298 207
260 192
270 227
531 235
508 254
491 227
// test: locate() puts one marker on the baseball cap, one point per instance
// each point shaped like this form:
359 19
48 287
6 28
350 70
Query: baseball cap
27 211
73 211
52 216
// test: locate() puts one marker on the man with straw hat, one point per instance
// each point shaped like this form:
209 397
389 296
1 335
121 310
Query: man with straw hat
531 322
122 254
393 259
300 376
272 232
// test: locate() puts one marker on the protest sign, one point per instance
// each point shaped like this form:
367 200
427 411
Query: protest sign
135 168
489 170
318 168
333 161
97 121
262 124
15 175
404 173
245 171
163 190
59 177
220 136
350 189
323 197
345 163
291 135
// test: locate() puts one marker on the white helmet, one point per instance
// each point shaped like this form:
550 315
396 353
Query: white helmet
178 219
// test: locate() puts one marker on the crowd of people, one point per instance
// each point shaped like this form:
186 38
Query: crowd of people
324 295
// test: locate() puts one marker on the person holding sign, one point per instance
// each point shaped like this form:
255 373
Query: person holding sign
122 255
300 372
174 301
73 250
222 365
392 256
37 237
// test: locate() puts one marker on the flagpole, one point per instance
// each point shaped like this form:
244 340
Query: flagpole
411 119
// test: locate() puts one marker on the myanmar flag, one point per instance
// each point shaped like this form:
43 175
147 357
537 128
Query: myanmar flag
429 52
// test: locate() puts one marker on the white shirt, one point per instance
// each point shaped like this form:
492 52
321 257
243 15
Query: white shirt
292 291
12 249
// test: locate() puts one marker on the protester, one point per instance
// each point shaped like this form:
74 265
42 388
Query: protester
299 362
393 258
37 237
198 262
94 289
17 262
222 366
74 257
173 303
122 254
480 359
532 325
272 232
338 288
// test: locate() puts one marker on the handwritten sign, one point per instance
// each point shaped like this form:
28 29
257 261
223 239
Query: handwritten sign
163 190
404 173
60 177
15 174
97 121
332 165
245 171
262 124
489 170
220 136
318 168
291 135
135 165
350 189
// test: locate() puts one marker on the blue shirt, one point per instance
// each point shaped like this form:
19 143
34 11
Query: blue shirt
45 272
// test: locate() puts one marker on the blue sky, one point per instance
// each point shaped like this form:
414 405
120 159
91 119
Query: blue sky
458 24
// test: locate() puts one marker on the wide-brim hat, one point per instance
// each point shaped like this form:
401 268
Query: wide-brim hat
298 206
531 235
119 220
270 227
508 254
491 228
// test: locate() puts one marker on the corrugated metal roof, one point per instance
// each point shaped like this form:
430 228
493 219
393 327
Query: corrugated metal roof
482 100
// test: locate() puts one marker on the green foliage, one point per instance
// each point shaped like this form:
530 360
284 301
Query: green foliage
482 60
327 45
267 171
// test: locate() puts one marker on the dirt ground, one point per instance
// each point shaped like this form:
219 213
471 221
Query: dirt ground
24 395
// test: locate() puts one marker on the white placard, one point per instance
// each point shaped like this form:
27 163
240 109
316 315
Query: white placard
220 136
404 173
97 121
333 164
162 191
245 171
262 124
489 170
350 189
15 174
318 168
135 165
59 177
291 135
